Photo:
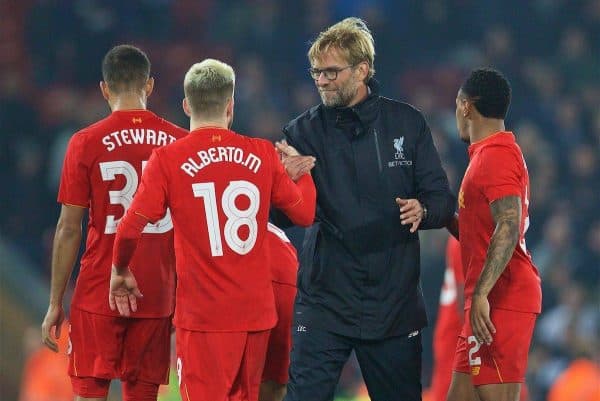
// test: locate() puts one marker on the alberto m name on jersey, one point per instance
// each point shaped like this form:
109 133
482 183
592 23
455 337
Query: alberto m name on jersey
136 136
219 154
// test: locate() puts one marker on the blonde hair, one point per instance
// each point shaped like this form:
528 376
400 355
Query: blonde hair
352 38
208 86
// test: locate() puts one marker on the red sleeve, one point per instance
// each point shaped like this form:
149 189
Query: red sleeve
501 172
128 234
150 199
75 187
454 261
297 200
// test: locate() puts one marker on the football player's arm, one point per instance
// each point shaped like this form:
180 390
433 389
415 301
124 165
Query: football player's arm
65 248
506 212
149 205
297 200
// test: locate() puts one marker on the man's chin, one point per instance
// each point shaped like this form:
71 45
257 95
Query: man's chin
330 101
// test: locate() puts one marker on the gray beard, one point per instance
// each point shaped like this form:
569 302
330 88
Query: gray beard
342 98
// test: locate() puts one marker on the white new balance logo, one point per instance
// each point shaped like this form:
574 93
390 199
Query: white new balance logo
301 328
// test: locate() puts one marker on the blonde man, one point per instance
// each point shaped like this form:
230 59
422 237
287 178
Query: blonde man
219 186
358 285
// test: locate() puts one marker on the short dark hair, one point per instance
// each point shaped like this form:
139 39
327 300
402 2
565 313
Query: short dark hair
489 91
125 67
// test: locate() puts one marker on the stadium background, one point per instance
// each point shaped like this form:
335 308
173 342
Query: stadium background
50 53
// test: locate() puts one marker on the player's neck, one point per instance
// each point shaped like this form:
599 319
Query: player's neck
212 123
121 103
486 128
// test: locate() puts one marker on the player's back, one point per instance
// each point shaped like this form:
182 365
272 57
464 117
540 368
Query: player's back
102 170
219 186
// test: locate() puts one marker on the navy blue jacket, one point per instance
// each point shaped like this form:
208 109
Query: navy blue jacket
359 267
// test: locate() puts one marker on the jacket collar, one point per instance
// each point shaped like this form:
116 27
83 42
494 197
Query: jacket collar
364 112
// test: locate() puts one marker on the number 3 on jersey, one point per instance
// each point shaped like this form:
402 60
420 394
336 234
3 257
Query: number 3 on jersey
124 196
236 217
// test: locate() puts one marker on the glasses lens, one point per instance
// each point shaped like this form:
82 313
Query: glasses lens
330 74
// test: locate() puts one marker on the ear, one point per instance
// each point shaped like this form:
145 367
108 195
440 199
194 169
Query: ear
230 104
467 109
186 108
149 87
105 91
229 112
363 70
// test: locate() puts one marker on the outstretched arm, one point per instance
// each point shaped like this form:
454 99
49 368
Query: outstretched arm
64 254
506 213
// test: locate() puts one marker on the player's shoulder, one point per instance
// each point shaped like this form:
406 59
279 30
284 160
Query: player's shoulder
172 128
95 128
502 144
83 135
253 142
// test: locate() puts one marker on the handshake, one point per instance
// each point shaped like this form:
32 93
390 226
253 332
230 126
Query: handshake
295 164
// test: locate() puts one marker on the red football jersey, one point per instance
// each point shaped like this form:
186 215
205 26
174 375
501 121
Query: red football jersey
101 171
284 259
496 169
448 323
219 186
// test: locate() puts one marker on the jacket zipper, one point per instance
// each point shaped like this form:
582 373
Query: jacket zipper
377 149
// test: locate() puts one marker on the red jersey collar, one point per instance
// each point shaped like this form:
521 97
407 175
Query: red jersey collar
209 128
496 138
131 112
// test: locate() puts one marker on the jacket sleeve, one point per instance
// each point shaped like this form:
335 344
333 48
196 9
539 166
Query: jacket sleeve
433 190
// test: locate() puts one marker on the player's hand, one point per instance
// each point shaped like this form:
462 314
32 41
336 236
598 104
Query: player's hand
53 319
123 292
286 150
482 325
295 164
411 212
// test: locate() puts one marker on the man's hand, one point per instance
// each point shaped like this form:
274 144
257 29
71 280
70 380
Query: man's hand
411 212
54 318
481 324
123 292
295 164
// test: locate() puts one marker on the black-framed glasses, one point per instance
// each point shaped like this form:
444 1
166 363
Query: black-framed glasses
330 74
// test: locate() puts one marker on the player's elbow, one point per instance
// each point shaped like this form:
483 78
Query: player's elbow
66 229
304 221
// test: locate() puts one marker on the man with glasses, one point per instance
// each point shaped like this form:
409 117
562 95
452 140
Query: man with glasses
358 285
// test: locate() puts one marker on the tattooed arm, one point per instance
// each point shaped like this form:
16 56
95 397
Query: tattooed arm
507 216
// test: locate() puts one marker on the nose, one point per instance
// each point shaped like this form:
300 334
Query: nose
321 80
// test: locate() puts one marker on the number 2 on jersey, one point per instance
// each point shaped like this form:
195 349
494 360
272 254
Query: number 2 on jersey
236 217
124 196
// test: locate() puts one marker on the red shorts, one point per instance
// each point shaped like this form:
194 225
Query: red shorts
220 365
107 347
277 362
503 361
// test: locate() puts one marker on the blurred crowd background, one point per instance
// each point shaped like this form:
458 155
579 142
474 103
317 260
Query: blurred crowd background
50 54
